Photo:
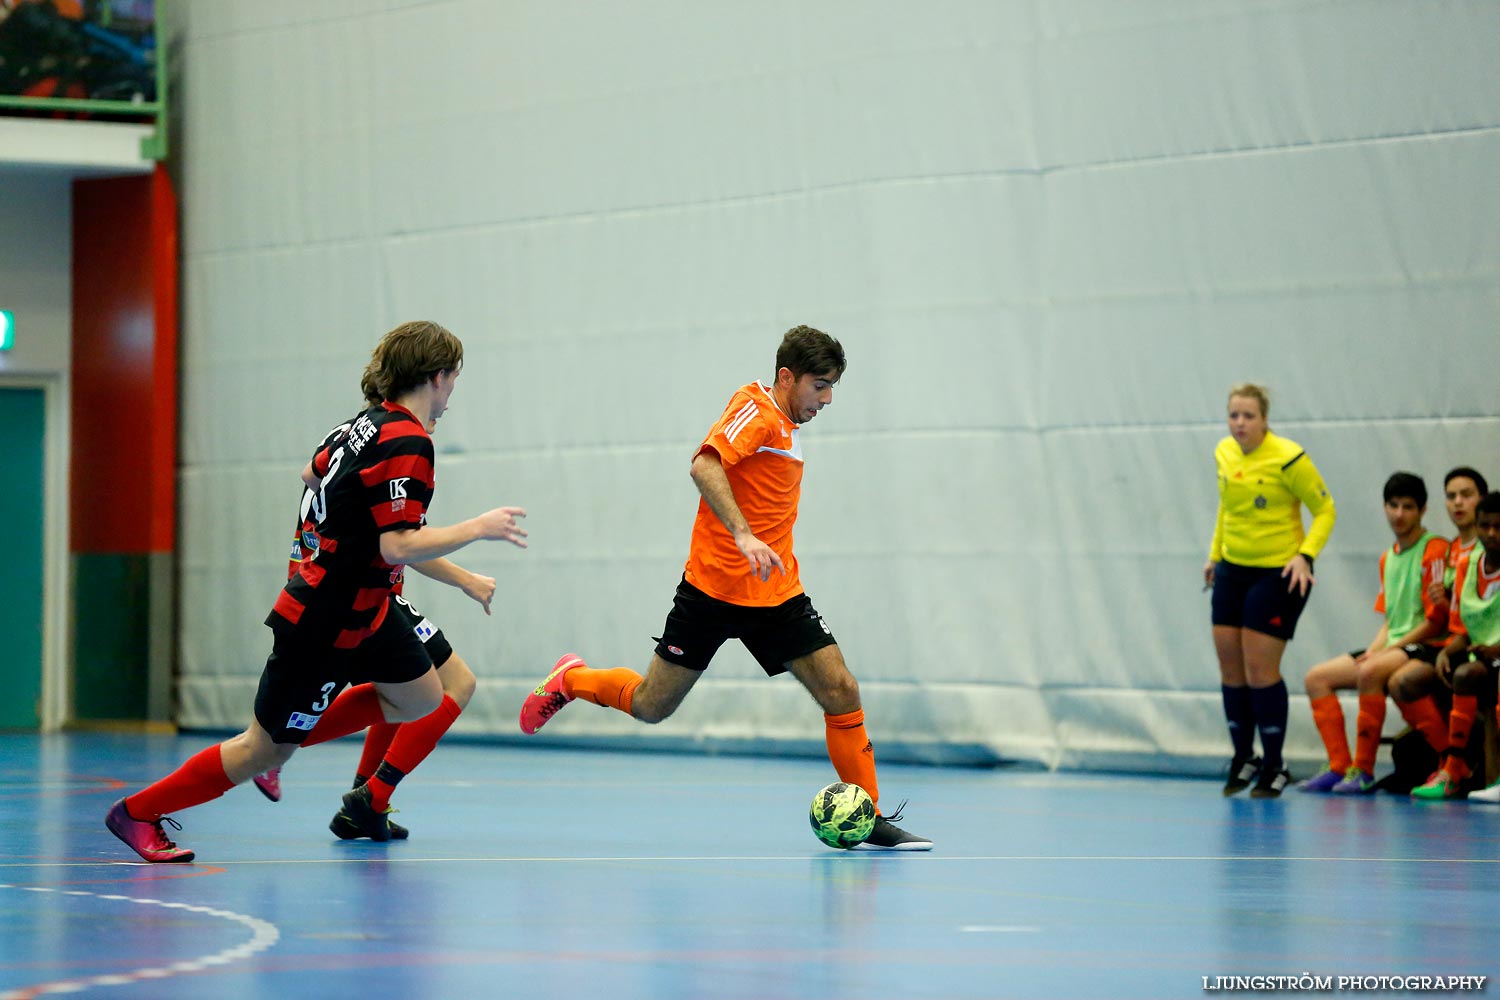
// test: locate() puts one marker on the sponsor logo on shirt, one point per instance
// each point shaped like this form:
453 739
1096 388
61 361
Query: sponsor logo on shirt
360 434
302 721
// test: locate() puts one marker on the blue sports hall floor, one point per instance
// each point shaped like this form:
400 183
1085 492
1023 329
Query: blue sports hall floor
537 873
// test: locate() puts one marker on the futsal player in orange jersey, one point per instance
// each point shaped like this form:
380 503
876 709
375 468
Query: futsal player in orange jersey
1415 627
741 580
1411 687
1462 489
1471 660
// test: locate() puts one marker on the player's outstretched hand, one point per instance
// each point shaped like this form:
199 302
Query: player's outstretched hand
502 525
481 589
761 557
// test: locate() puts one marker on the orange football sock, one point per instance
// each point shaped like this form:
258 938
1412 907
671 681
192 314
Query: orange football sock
1460 723
1456 766
1461 720
611 688
1424 717
1367 731
851 751
1328 714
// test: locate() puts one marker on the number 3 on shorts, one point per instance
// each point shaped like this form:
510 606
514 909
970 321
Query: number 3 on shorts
321 705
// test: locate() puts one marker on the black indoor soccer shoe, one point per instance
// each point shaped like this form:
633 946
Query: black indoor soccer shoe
343 828
1270 783
1242 774
887 836
359 818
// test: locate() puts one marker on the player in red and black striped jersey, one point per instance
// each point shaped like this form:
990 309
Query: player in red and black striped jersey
391 750
376 477
331 623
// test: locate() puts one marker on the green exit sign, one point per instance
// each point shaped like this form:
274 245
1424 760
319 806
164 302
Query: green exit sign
7 330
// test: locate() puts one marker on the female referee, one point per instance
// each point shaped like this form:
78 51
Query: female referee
1260 567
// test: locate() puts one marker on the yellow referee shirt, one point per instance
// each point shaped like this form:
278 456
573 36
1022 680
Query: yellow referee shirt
1260 504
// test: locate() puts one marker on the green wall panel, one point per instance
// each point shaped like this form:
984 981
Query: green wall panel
111 618
23 416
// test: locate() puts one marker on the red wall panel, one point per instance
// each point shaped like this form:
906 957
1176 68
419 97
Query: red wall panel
124 365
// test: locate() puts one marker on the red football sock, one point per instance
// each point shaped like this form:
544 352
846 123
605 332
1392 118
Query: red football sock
851 751
353 710
200 779
377 742
413 742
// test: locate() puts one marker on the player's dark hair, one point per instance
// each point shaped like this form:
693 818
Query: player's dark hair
1406 484
408 356
1488 504
369 388
805 351
1467 473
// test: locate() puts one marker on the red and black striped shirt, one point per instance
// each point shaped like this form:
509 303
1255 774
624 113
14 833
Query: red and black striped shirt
377 476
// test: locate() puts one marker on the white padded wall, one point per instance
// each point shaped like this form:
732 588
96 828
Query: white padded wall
1050 236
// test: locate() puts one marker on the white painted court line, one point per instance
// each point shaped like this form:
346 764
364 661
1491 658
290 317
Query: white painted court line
263 935
867 857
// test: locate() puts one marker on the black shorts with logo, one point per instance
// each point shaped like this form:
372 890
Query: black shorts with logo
1256 598
301 679
432 637
1413 650
699 624
1422 651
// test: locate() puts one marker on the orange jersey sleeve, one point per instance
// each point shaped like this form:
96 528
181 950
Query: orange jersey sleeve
761 452
1380 597
1434 569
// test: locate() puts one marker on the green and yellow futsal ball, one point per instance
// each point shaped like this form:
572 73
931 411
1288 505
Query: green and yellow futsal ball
842 815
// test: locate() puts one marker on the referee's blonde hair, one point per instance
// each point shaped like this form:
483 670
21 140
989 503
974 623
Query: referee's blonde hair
1259 393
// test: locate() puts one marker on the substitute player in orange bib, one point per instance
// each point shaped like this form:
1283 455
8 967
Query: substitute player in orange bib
741 580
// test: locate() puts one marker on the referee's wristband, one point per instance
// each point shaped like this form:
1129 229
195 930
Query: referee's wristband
1309 559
